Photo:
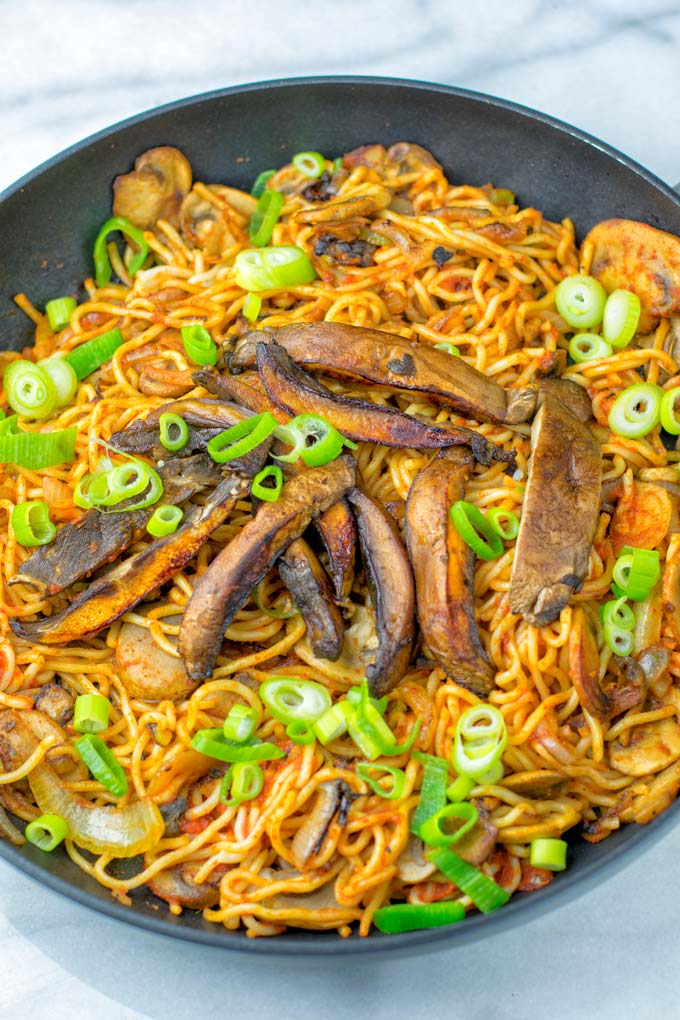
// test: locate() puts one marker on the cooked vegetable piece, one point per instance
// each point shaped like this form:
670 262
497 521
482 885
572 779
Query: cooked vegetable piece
338 533
240 566
559 514
126 584
154 189
307 582
299 393
389 360
390 581
443 566
642 516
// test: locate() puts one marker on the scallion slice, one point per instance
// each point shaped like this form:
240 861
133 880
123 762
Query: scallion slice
240 724
273 268
398 779
260 182
242 782
474 528
165 520
549 853
102 263
58 312
174 431
265 217
63 375
240 439
29 389
199 345
252 307
400 917
91 713
621 317
432 789
504 522
270 493
93 353
31 523
580 300
588 347
483 891
311 164
291 700
46 832
102 763
670 421
636 411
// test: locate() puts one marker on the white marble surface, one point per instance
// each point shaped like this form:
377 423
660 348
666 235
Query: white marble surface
609 66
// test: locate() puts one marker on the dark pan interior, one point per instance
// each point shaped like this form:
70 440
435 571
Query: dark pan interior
48 222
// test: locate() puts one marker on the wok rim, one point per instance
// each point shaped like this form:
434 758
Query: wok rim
300 943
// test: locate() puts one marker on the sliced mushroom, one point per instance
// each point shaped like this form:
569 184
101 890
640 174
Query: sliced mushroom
339 535
443 566
339 210
476 845
246 390
413 865
85 545
56 702
147 671
177 887
205 418
652 747
224 587
308 583
533 783
392 590
584 665
652 796
389 360
560 512
410 158
205 225
640 258
299 393
671 586
155 188
126 584
330 810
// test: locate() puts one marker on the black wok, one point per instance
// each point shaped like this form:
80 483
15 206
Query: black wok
48 222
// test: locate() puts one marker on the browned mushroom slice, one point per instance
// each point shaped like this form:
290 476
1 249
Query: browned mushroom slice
211 226
228 581
652 747
671 586
56 702
205 418
306 580
584 666
390 360
390 582
559 515
443 566
245 390
326 820
126 584
341 209
82 546
155 188
640 258
178 888
299 393
339 535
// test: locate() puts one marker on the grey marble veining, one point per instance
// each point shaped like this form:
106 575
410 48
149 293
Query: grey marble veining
610 67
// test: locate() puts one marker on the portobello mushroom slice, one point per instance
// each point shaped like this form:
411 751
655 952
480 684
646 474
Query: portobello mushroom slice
126 584
339 535
299 393
560 512
246 391
204 418
307 581
375 356
85 545
390 582
228 581
443 566
640 258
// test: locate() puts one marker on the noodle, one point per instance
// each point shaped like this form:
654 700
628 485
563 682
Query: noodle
493 298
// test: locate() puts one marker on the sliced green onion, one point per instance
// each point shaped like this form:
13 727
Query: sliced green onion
31 523
621 317
291 700
240 724
483 891
261 182
46 832
460 788
399 917
174 431
432 789
102 763
274 268
333 723
396 788
102 263
29 389
108 489
435 830
618 613
199 345
618 639
326 442
165 520
588 347
270 493
668 415
300 732
252 307
91 713
58 312
242 438
337 164
480 739
476 530
580 301
549 853
636 571
502 196
91 355
311 164
265 217
214 744
636 410
503 522
449 348
243 781
35 450
64 377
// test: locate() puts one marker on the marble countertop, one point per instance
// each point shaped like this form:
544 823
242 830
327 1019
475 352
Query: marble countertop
608 66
